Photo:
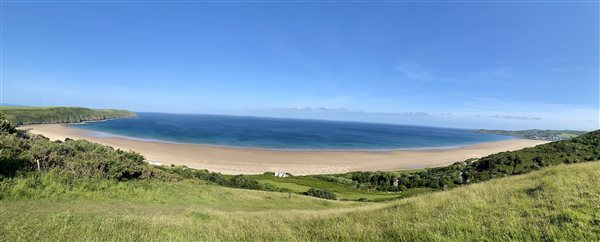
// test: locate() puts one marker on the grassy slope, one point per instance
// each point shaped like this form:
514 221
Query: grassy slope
560 202
41 115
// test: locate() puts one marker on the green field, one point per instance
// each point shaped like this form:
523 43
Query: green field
556 203
43 115
300 184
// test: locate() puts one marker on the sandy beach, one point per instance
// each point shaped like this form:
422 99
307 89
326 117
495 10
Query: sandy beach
233 160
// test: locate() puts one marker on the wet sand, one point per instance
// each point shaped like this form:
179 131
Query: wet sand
234 160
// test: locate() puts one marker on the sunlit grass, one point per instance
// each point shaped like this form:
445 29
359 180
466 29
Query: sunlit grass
557 203
300 184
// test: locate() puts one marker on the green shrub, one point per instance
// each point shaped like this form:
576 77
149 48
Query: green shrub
24 152
6 126
321 193
241 181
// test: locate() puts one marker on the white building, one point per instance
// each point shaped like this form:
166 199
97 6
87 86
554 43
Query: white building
281 174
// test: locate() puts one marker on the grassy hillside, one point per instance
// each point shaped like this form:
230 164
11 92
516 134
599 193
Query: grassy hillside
536 134
43 115
557 203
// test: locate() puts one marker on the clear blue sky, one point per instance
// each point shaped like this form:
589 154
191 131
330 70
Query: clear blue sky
476 65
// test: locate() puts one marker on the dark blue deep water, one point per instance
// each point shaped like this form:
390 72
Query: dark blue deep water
274 133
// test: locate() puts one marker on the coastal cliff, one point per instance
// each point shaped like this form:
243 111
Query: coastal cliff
46 115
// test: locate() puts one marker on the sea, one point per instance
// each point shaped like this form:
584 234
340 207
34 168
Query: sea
279 133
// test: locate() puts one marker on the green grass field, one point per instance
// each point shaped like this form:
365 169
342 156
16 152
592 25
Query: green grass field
556 203
300 184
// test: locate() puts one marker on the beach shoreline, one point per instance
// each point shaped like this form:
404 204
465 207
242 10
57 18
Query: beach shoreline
242 160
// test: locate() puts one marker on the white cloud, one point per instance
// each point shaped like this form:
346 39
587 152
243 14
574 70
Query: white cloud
414 72
329 109
516 117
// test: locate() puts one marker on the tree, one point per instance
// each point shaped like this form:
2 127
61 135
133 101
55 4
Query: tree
321 193
241 181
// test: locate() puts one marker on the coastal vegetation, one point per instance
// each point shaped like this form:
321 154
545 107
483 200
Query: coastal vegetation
79 190
320 193
342 191
576 150
24 153
536 134
555 203
20 115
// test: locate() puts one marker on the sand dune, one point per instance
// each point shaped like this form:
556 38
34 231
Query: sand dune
233 160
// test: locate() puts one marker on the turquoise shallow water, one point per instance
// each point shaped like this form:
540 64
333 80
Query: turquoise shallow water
274 133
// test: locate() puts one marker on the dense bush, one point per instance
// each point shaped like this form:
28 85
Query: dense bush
321 193
22 152
390 181
241 181
79 157
6 126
